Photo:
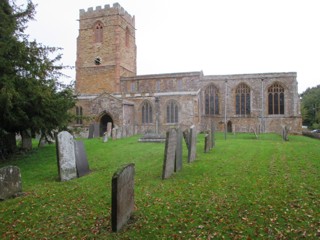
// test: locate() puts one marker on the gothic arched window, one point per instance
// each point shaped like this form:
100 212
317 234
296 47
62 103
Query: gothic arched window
98 32
211 101
243 99
146 112
79 115
172 112
275 99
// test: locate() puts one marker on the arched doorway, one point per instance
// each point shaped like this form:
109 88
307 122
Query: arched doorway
229 126
104 122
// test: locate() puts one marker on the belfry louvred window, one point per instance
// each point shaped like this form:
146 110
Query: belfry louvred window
275 99
98 32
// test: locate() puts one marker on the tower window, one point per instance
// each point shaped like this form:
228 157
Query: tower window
97 61
243 99
98 32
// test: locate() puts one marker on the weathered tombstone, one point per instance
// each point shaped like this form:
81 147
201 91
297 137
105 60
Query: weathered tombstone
81 159
10 182
105 137
186 135
207 141
114 133
285 131
213 129
109 128
122 196
119 132
178 160
66 156
169 153
192 144
96 131
91 130
26 140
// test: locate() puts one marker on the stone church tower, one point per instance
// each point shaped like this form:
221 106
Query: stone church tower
106 49
109 91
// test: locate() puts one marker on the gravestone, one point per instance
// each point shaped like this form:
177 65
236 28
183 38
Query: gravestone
114 133
105 137
285 132
26 141
10 182
207 141
169 154
91 130
66 156
81 159
109 128
213 129
122 196
178 158
192 144
96 131
186 136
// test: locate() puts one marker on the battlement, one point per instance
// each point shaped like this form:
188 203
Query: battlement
107 10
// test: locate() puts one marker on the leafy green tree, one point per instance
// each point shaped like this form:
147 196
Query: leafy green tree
31 97
310 107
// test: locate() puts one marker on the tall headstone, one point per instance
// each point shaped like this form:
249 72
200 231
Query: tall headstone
91 130
66 156
192 144
207 142
109 128
96 131
186 136
285 132
10 182
169 154
26 141
122 196
178 160
81 159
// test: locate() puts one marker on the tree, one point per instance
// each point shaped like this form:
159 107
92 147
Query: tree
31 97
310 107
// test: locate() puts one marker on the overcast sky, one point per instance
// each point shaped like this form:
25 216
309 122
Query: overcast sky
215 36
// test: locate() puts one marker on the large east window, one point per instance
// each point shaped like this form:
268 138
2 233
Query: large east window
243 99
275 99
211 98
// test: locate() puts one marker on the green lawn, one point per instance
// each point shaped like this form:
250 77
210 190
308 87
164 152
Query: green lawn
243 189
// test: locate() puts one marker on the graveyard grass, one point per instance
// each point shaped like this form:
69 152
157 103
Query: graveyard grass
244 188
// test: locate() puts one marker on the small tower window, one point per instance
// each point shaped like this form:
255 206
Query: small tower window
98 32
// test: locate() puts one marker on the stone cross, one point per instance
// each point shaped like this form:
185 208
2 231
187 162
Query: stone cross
122 196
10 182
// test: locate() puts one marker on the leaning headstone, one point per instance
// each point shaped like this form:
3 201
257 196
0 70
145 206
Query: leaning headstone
178 160
109 128
10 182
91 130
81 159
169 154
213 129
192 144
122 196
66 156
186 135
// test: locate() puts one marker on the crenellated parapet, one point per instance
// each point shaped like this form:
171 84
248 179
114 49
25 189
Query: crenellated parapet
107 10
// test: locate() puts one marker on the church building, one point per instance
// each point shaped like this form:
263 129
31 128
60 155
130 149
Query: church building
109 90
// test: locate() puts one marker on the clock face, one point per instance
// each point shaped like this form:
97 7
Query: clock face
97 61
